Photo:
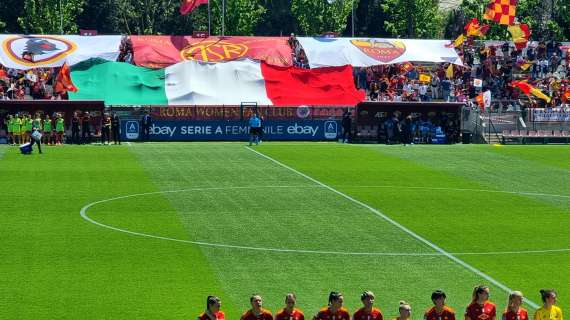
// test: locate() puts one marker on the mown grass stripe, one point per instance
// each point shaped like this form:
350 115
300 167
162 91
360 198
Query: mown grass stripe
55 265
402 227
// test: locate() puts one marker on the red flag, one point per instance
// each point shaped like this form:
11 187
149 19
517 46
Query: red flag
480 101
474 29
291 86
520 33
407 67
162 51
566 96
501 11
63 81
528 89
188 6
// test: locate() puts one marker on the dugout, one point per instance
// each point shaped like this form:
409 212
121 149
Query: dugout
371 121
50 107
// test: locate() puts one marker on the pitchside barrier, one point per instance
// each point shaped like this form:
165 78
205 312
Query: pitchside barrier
230 123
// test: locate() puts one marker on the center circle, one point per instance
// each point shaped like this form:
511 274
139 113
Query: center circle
85 216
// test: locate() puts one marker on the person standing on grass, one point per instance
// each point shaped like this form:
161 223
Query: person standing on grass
368 312
334 310
75 128
10 129
439 311
290 312
261 128
254 127
47 129
213 306
146 122
256 312
106 129
37 122
549 310
27 128
346 127
23 126
514 310
17 129
405 311
59 129
406 126
86 128
481 308
36 137
116 129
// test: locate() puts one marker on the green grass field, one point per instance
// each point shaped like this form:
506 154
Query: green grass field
165 225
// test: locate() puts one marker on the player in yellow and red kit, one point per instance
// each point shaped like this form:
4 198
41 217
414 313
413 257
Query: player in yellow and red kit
368 312
213 305
405 311
514 310
439 311
549 310
334 311
290 312
256 312
481 308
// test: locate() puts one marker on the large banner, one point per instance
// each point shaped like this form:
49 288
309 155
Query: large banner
163 51
184 130
366 52
228 83
28 52
551 115
225 112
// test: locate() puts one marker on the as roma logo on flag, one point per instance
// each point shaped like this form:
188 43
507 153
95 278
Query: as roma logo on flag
37 50
384 51
214 51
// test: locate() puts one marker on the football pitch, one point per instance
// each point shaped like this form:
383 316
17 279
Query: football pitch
147 231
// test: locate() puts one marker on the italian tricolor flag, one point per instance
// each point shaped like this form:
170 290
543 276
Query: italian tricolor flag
227 83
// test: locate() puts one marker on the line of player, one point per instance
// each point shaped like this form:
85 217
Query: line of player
480 308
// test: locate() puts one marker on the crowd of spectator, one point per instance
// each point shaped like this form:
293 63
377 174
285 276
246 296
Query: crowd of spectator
493 64
39 83
34 84
298 55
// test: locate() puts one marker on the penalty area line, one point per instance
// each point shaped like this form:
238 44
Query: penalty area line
399 226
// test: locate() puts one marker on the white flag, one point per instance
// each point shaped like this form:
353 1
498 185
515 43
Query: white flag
44 51
487 99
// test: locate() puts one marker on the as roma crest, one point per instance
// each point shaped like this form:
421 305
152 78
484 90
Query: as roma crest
381 50
214 51
37 50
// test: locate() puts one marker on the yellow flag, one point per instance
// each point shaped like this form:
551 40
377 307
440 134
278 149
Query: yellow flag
449 72
537 93
525 66
459 41
425 77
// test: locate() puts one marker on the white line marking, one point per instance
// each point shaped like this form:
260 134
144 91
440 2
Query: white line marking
525 193
403 228
84 215
129 144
